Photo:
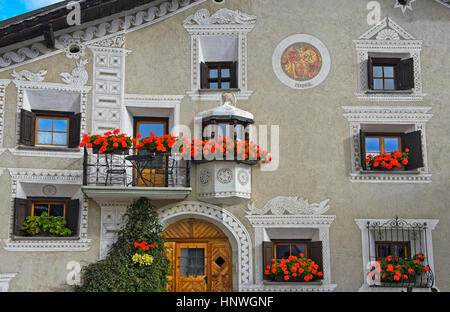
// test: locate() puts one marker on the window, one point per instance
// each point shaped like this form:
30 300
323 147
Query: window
218 75
390 73
284 250
67 208
192 261
378 143
50 129
395 249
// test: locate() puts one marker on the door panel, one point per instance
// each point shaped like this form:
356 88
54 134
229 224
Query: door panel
170 254
220 267
192 267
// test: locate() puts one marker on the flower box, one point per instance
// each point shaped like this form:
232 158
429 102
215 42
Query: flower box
119 151
393 161
293 269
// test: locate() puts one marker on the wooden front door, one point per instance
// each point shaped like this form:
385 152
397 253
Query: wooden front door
200 255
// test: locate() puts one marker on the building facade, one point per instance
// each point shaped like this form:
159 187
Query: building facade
320 84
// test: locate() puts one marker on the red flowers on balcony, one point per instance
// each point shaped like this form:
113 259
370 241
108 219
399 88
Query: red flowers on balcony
108 142
388 161
155 143
294 268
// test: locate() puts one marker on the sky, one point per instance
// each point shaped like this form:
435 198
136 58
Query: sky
11 8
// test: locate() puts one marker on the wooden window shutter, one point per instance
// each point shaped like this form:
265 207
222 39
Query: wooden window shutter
203 76
413 141
406 74
267 256
22 209
27 127
73 215
370 73
362 147
74 130
315 253
234 75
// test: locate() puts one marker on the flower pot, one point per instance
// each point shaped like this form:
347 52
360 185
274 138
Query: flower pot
119 151
291 279
402 168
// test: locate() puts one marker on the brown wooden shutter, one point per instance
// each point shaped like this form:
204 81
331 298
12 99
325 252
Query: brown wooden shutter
315 253
267 256
73 216
27 127
234 75
362 147
370 73
406 74
413 141
22 209
203 76
74 130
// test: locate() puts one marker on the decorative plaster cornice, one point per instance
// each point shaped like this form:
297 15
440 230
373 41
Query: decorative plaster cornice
144 100
222 17
387 114
290 220
384 24
50 86
292 287
47 175
293 205
89 35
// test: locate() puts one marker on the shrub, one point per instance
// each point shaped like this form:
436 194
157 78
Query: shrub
118 272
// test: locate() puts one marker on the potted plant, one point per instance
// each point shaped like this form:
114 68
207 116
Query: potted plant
388 161
294 269
398 270
45 225
110 142
156 144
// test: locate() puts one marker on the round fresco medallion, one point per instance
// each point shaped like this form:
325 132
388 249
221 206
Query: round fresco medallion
224 175
243 177
301 61
49 190
205 176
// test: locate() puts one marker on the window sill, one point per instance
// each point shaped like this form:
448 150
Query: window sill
412 172
394 95
288 287
389 91
219 90
45 238
390 177
62 152
216 94
44 244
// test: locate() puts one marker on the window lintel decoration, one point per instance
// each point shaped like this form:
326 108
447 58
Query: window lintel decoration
224 23
387 39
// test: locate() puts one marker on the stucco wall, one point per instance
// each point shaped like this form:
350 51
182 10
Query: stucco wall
314 136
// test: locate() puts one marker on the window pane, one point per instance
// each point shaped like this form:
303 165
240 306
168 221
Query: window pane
214 85
192 261
389 84
57 210
144 129
388 72
378 71
297 249
222 131
40 208
283 251
390 144
44 138
373 144
382 251
60 125
399 251
378 84
213 73
225 85
44 124
59 138
238 130
225 73
372 153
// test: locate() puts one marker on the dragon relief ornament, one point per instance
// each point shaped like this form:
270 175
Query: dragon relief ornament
293 205
222 16
26 75
79 76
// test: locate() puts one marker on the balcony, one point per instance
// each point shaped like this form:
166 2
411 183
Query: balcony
126 175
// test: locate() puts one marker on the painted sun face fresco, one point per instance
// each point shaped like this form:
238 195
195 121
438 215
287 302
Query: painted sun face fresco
301 61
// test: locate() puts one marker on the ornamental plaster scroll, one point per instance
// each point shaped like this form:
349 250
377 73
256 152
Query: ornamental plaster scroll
96 32
79 76
289 288
244 264
46 177
386 24
222 16
416 116
26 75
293 205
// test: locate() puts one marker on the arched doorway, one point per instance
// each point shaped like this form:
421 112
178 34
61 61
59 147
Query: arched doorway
200 255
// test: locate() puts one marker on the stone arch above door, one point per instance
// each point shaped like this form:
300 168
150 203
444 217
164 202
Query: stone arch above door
225 221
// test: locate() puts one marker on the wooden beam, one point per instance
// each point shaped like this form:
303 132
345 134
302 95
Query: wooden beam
49 36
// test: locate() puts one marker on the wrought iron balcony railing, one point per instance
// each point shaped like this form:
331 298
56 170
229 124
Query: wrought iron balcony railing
126 168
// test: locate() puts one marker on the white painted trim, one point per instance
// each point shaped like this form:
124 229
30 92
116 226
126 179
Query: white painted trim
292 287
3 85
5 279
390 115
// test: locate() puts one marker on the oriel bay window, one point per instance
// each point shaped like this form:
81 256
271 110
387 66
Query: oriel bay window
376 143
388 74
49 129
68 209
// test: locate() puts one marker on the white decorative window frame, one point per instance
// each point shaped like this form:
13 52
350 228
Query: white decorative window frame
302 215
292 83
22 86
388 37
47 176
5 279
223 22
362 224
3 85
357 115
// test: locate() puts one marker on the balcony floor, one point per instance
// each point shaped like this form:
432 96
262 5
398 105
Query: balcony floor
129 193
